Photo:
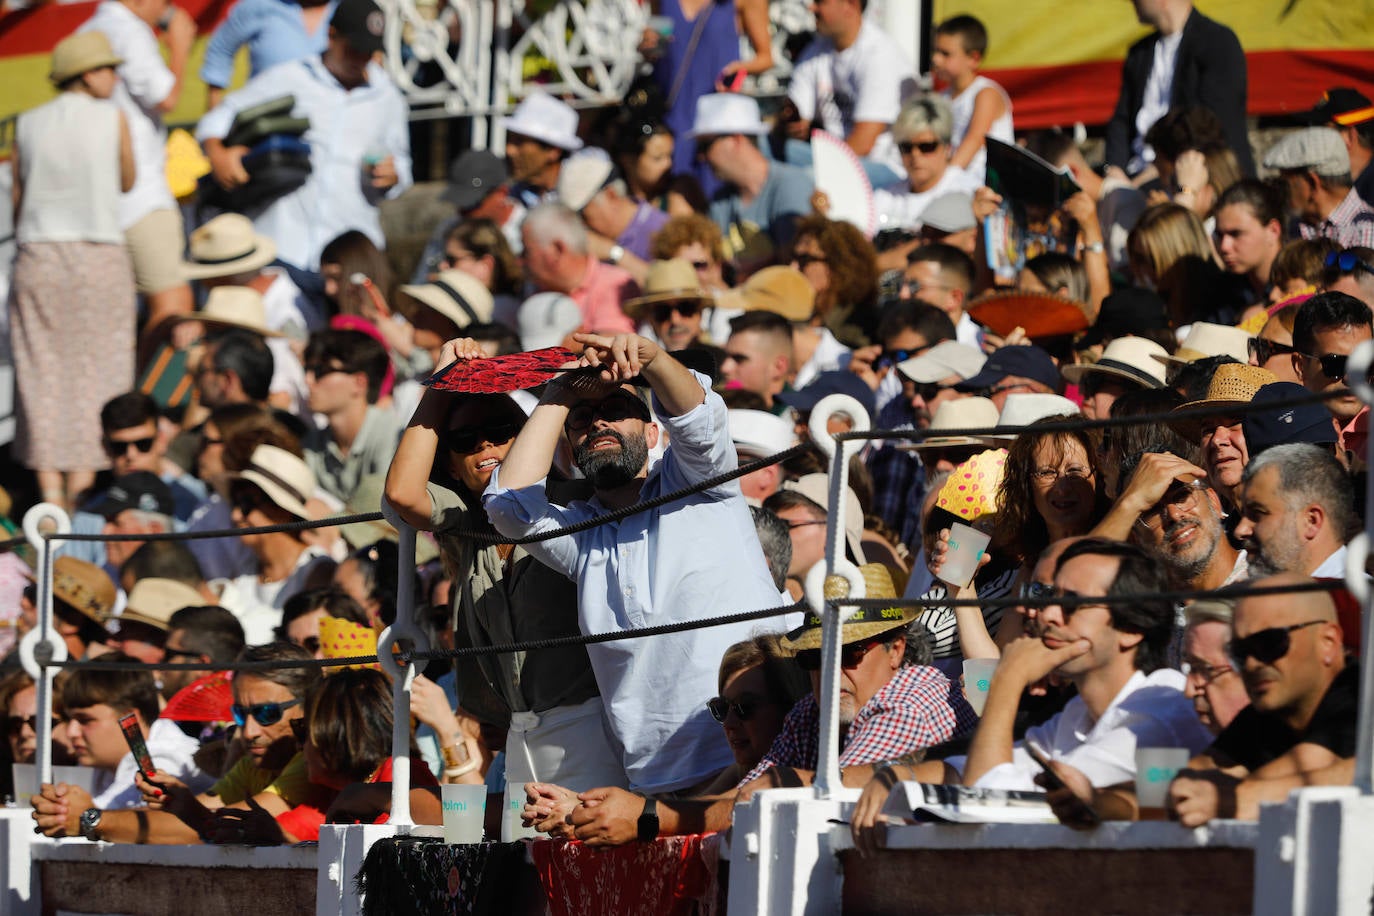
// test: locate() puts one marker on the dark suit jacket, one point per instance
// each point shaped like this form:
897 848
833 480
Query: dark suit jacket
1209 71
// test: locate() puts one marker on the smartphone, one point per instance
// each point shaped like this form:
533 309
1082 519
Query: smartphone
134 735
1052 780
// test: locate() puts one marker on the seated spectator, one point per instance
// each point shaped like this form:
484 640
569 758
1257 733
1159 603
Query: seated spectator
840 265
1026 369
242 309
1249 233
1299 729
696 239
344 370
981 107
758 356
804 505
1221 435
559 259
1214 684
478 248
1270 422
1297 511
1315 167
200 633
1119 203
1300 267
540 134
1125 365
1272 347
134 442
673 305
236 367
479 190
1352 272
776 542
136 503
759 434
83 600
942 276
1327 329
787 292
1170 252
19 705
301 616
620 226
140 630
369 577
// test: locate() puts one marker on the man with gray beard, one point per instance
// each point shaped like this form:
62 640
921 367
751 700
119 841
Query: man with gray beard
1297 511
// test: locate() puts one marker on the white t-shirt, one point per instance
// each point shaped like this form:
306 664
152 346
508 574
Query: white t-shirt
868 81
899 207
1159 87
144 82
257 604
173 752
961 106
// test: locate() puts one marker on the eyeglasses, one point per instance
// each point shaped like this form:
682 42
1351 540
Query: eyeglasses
248 499
465 441
1180 497
928 391
663 311
171 655
814 521
925 147
449 260
116 449
14 725
1035 591
1347 262
1264 350
266 714
998 389
851 655
1048 477
320 370
1203 674
744 708
612 410
1265 646
1333 365
912 287
804 261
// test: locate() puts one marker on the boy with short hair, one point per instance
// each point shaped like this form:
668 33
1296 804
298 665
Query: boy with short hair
981 107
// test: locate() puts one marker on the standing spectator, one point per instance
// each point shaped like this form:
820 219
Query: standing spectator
1316 169
71 159
358 136
147 89
274 31
1188 60
981 107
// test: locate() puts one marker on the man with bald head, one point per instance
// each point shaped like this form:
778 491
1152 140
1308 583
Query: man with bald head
1300 727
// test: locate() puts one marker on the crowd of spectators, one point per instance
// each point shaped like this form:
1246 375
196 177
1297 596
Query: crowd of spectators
679 248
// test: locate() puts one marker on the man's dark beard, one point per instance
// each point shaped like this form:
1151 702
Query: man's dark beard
607 470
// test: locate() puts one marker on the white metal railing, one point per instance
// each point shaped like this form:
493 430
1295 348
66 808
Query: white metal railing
1357 561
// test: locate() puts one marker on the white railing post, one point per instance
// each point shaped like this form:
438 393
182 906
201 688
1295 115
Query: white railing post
42 646
405 628
1357 372
822 588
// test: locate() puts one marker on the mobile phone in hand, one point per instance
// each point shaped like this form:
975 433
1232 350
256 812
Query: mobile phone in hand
134 735
1053 782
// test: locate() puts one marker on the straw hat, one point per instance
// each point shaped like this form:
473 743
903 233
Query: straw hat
1234 385
1134 359
84 586
542 117
668 281
227 245
816 487
865 623
970 492
1025 409
154 601
759 432
458 296
82 53
962 413
235 307
1205 339
286 479
780 289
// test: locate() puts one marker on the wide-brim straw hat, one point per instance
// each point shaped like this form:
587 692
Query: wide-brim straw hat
238 307
1038 314
84 586
1134 359
1234 385
286 479
962 413
153 602
82 53
674 280
227 245
866 622
780 289
458 296
1206 339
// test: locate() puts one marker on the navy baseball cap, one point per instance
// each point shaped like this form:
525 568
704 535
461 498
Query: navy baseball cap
141 490
1024 362
838 382
1266 426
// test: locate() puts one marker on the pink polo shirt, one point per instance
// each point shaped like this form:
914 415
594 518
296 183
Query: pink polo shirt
600 295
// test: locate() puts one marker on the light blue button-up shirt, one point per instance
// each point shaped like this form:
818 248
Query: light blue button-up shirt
688 560
274 32
346 126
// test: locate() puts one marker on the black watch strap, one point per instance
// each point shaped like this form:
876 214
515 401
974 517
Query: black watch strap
648 821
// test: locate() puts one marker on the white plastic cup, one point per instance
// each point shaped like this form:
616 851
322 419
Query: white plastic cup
511 827
1155 768
465 810
966 548
977 679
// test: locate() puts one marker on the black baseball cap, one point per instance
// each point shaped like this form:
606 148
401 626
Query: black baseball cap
1266 426
1342 105
1024 362
1125 312
360 23
471 177
141 490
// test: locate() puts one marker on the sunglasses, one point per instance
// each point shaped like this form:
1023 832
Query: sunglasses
1036 590
1347 262
14 725
172 655
663 311
1265 646
117 449
889 358
248 499
700 265
998 389
1179 497
266 714
804 261
1333 365
851 655
466 439
612 410
1264 350
744 708
925 147
320 370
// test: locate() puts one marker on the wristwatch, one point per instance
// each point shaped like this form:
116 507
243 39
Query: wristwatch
648 822
90 823
616 254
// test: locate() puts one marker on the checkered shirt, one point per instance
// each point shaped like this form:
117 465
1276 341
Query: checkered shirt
1351 224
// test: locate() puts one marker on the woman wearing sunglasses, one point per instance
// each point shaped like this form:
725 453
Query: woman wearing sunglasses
1273 348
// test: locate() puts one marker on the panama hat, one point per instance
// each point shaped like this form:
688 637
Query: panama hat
82 53
83 586
235 307
458 296
1205 339
227 245
668 281
1233 385
542 117
1134 359
962 413
720 114
865 623
286 479
780 289
153 602
758 432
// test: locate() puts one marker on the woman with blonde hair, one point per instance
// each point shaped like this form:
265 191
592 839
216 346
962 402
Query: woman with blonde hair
1169 252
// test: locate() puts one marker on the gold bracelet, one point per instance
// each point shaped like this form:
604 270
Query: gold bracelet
451 757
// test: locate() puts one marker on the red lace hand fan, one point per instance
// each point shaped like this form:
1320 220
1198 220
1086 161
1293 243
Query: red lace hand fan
206 699
500 374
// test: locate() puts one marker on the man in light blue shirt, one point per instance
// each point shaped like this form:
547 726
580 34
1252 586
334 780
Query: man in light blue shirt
359 139
695 558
